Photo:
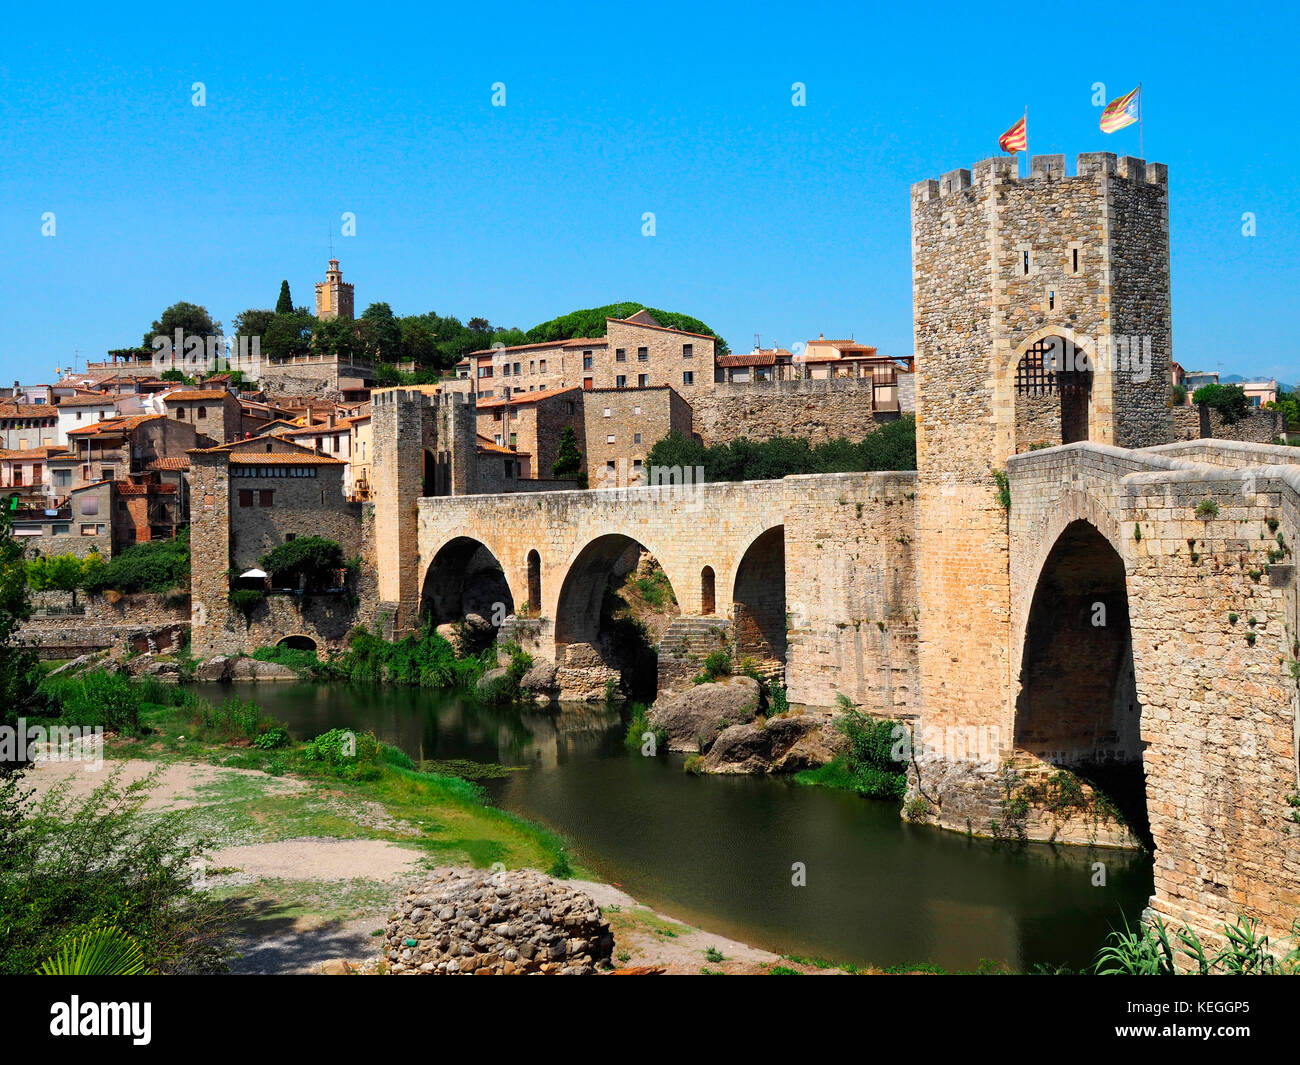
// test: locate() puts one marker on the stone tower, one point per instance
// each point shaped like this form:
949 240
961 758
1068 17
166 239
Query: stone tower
1041 316
334 295
425 444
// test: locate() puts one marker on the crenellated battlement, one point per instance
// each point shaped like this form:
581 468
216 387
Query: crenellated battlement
425 396
1005 170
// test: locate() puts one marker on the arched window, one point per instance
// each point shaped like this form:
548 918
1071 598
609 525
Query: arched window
1054 366
708 601
534 583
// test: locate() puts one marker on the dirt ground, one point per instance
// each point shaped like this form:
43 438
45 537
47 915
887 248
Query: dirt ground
318 904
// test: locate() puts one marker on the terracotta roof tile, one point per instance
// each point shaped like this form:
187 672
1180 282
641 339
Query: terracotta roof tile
521 398
283 458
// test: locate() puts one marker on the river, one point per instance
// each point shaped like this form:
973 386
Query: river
721 852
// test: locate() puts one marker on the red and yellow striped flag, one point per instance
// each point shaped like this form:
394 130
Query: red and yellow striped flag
1016 138
1122 112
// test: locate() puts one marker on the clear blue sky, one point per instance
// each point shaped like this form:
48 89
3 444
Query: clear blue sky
771 219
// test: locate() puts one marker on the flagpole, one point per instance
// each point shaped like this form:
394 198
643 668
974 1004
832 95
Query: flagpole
1026 138
1141 108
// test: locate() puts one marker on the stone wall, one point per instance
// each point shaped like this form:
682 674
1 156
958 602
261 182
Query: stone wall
1211 599
144 621
851 586
819 410
1194 422
621 425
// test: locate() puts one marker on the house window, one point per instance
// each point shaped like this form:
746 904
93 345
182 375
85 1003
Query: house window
514 439
619 382
203 412
569 407
245 497
62 478
636 410
688 377
609 439
636 438
91 530
642 354
1024 262
642 380
586 384
61 530
620 355
505 369
541 363
688 351
78 415
586 361
606 412
1074 259
266 498
517 369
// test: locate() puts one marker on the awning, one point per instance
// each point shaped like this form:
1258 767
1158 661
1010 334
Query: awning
252 573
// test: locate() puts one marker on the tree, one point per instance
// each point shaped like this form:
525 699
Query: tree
568 461
309 560
288 335
1289 404
190 318
1230 401
284 305
254 323
381 336
17 662
62 573
591 323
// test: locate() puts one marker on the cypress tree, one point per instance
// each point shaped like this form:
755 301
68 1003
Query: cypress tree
284 305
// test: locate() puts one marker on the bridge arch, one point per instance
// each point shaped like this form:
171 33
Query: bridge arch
1077 704
466 577
758 598
298 641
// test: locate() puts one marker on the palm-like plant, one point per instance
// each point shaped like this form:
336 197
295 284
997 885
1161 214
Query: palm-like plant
99 952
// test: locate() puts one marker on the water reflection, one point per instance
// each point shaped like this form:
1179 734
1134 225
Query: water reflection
719 851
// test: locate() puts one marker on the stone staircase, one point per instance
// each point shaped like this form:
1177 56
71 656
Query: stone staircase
684 646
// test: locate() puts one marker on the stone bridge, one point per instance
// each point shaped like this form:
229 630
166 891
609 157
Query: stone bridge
811 573
1151 624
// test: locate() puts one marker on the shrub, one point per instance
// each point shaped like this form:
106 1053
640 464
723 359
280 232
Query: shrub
424 660
639 728
345 753
716 664
96 698
1230 401
234 719
869 767
153 566
777 701
298 659
891 447
1206 509
72 867
313 559
272 739
246 600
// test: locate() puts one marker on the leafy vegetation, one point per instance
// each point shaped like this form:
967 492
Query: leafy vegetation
1230 401
1149 951
153 566
869 767
891 447
100 952
19 671
717 664
95 698
63 573
421 660
311 559
591 323
69 868
568 459
639 728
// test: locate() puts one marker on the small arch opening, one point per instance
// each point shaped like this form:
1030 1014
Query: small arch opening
534 582
708 597
298 642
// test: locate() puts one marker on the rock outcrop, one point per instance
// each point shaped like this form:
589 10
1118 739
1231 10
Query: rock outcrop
695 716
779 745
473 921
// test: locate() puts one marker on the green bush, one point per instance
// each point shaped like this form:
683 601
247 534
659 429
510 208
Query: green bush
868 767
639 728
153 566
71 867
423 660
298 659
313 558
234 719
272 739
777 701
1230 401
891 447
97 698
344 753
716 664
246 600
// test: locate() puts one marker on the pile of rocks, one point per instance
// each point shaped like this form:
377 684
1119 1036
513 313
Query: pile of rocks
473 921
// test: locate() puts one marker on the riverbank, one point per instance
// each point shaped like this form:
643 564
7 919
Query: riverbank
311 867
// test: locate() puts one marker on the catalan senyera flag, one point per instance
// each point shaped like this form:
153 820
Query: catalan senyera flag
1122 112
1017 137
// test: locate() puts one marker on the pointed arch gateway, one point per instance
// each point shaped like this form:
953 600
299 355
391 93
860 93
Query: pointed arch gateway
1053 392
